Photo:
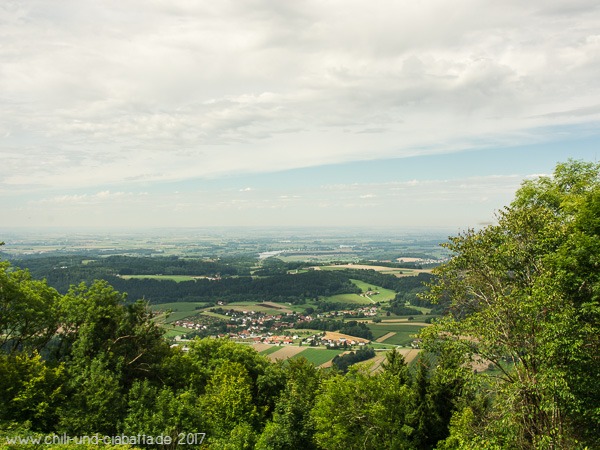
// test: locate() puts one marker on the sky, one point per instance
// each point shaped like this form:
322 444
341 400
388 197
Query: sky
179 113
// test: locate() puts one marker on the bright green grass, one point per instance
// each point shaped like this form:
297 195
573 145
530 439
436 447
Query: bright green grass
348 298
218 316
301 308
254 307
176 331
385 295
270 350
258 306
380 329
387 271
381 346
403 338
176 278
180 310
420 308
318 356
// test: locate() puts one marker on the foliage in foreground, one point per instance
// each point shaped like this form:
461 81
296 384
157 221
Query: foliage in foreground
87 363
524 297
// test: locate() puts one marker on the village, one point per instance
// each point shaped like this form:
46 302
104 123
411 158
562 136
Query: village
286 328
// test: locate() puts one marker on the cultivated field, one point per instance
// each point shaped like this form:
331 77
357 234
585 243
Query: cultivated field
318 356
385 336
179 310
271 349
286 352
176 278
259 307
397 333
336 336
348 298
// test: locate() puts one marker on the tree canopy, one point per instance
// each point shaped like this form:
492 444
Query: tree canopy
524 299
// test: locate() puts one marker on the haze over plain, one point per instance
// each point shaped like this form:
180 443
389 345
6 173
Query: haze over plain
177 113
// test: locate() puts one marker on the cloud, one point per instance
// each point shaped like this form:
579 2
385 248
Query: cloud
97 93
428 202
86 199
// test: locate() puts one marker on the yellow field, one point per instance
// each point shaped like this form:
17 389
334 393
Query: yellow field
374 364
337 336
259 347
286 352
385 336
399 272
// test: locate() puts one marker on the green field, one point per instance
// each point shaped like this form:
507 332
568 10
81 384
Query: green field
317 356
180 310
212 314
385 295
404 333
259 307
175 331
176 278
420 308
401 338
270 350
385 270
348 298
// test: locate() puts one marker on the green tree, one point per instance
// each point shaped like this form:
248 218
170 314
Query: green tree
28 314
524 298
362 411
158 411
96 322
291 426
31 391
227 402
95 399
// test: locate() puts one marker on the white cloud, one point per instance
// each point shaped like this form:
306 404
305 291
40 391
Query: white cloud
101 102
99 197
102 93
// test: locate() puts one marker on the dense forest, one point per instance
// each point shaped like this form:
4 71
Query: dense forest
229 280
524 304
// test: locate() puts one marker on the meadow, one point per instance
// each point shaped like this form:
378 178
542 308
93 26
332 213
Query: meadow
403 333
179 310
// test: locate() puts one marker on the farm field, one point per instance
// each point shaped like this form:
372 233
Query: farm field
213 314
403 333
258 307
173 331
336 336
286 352
382 269
385 336
260 347
348 298
270 349
384 295
179 310
399 272
404 321
318 356
374 364
176 278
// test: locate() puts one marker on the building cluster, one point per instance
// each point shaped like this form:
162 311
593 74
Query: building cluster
270 328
